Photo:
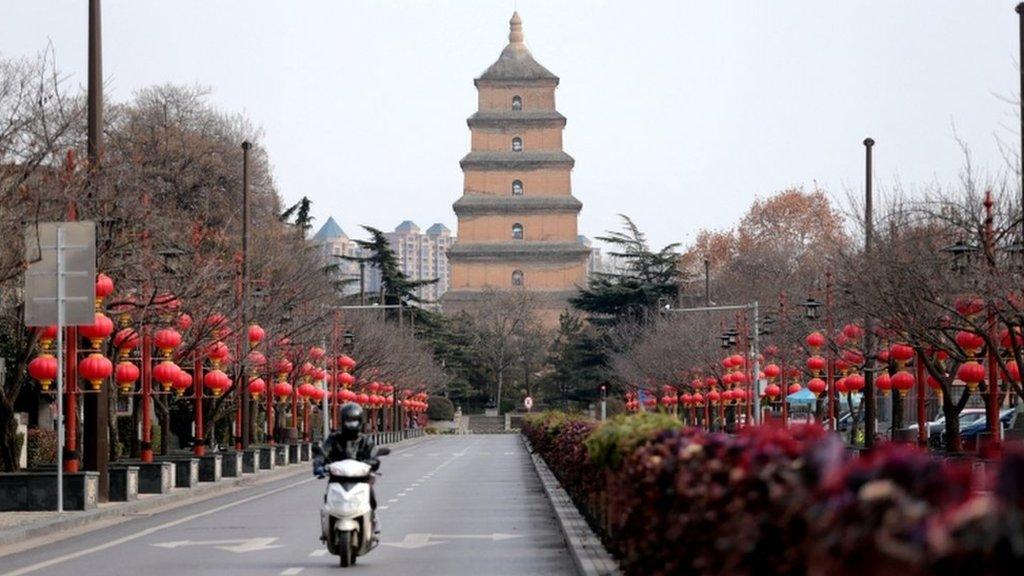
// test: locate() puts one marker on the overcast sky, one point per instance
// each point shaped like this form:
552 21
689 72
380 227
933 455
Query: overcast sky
680 112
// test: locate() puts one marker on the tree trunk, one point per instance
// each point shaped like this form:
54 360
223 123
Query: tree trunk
897 412
8 431
952 415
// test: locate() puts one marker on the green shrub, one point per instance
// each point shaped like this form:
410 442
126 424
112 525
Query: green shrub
440 408
42 447
618 437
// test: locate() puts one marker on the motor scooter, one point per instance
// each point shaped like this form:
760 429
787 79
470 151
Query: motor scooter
346 519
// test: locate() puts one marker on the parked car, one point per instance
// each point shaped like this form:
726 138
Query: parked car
967 416
969 432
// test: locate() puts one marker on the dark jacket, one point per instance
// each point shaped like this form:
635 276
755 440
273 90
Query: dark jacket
336 448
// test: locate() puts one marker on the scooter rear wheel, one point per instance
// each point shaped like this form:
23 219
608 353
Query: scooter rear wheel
346 555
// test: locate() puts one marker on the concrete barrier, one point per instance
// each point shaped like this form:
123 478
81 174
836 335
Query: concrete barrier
210 467
281 455
124 482
268 460
186 470
231 464
37 491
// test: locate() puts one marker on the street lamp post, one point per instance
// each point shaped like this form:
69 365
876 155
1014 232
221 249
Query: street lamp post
246 409
869 324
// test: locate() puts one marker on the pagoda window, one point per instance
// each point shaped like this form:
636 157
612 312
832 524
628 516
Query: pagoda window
517 231
517 277
517 144
517 188
517 103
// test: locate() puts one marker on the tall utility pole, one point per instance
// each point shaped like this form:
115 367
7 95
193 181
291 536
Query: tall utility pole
1020 97
96 455
244 396
869 324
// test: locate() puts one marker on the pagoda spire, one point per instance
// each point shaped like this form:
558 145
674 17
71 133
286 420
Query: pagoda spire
515 29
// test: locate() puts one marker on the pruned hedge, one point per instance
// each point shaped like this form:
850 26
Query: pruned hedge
668 500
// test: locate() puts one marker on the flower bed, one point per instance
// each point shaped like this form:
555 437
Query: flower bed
668 500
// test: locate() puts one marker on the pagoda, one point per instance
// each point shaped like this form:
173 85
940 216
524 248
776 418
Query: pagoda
517 217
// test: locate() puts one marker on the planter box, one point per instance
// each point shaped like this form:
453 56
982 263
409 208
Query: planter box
293 453
281 455
155 477
37 491
250 461
210 467
231 464
304 452
124 482
267 459
186 470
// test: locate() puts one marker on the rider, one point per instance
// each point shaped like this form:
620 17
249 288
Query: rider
349 443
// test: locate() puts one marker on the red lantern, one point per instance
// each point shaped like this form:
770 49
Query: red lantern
934 385
218 353
883 383
256 359
346 363
346 379
166 340
772 371
374 386
165 373
737 360
182 383
257 387
95 368
256 335
167 303
853 332
714 397
126 340
126 374
855 382
43 368
104 288
794 388
47 334
903 381
816 364
216 381
184 322
363 399
98 331
815 340
1013 371
971 373
772 391
840 386
283 368
282 389
901 353
316 353
969 341
853 358
969 306
816 386
698 399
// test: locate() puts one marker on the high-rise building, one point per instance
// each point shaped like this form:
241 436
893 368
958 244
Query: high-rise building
333 242
517 217
424 256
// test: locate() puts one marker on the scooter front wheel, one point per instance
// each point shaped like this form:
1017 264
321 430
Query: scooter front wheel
346 555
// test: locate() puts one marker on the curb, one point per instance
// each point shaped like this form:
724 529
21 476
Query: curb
588 554
52 527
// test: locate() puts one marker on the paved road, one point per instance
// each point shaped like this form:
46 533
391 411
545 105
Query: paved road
449 505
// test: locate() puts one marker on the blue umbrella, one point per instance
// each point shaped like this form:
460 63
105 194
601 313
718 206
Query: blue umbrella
802 396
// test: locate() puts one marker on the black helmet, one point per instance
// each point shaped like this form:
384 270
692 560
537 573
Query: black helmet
351 420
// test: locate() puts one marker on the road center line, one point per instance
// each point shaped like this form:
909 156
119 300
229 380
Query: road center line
148 531
291 571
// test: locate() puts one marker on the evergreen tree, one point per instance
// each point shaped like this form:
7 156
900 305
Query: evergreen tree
646 280
577 365
395 286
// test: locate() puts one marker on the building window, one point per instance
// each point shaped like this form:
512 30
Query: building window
517 188
517 103
517 231
517 144
517 277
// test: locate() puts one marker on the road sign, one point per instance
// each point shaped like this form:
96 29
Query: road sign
58 251
528 402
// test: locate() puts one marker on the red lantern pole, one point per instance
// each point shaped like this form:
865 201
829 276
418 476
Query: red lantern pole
305 421
71 405
295 407
992 406
922 435
830 377
147 390
270 412
198 447
782 360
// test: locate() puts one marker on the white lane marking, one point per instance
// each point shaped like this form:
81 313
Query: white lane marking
236 546
393 500
142 533
316 553
415 483
378 508
291 571
509 453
